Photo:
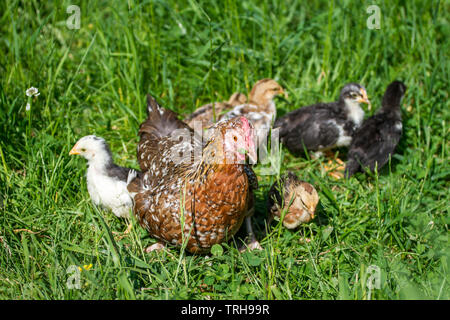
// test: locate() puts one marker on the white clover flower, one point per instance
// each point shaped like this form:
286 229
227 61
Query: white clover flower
182 28
32 92
28 107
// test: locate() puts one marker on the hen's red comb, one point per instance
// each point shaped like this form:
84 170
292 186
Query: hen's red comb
245 123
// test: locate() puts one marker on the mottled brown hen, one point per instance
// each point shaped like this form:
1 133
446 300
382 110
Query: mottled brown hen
189 190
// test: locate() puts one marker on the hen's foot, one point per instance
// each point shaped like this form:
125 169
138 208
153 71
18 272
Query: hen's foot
155 247
253 245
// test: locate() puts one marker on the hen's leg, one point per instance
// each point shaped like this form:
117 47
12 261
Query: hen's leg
155 247
254 244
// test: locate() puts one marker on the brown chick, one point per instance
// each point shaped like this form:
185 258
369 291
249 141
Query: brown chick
260 109
237 99
299 198
205 114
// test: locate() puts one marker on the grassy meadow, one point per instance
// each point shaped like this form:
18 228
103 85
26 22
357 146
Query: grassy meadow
391 227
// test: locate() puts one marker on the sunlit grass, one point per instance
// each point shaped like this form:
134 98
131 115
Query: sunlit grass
94 81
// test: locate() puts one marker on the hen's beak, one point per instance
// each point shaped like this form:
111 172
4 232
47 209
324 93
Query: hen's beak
252 155
74 150
284 93
365 99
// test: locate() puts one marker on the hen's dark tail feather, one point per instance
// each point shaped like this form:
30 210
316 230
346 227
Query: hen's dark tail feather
160 122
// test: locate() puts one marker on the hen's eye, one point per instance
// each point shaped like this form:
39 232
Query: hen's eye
235 138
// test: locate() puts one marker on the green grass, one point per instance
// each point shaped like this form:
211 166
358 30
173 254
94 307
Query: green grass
94 81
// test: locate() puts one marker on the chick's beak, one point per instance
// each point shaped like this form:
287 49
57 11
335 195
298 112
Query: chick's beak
74 150
365 99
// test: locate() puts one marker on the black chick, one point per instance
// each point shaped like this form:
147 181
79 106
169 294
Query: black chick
377 138
323 126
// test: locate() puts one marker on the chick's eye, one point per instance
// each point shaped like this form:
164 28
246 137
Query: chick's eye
83 149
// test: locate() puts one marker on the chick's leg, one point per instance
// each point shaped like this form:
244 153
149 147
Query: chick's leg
335 166
120 236
129 227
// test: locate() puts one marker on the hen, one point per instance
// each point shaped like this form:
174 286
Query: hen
375 141
190 191
106 181
323 126
297 197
